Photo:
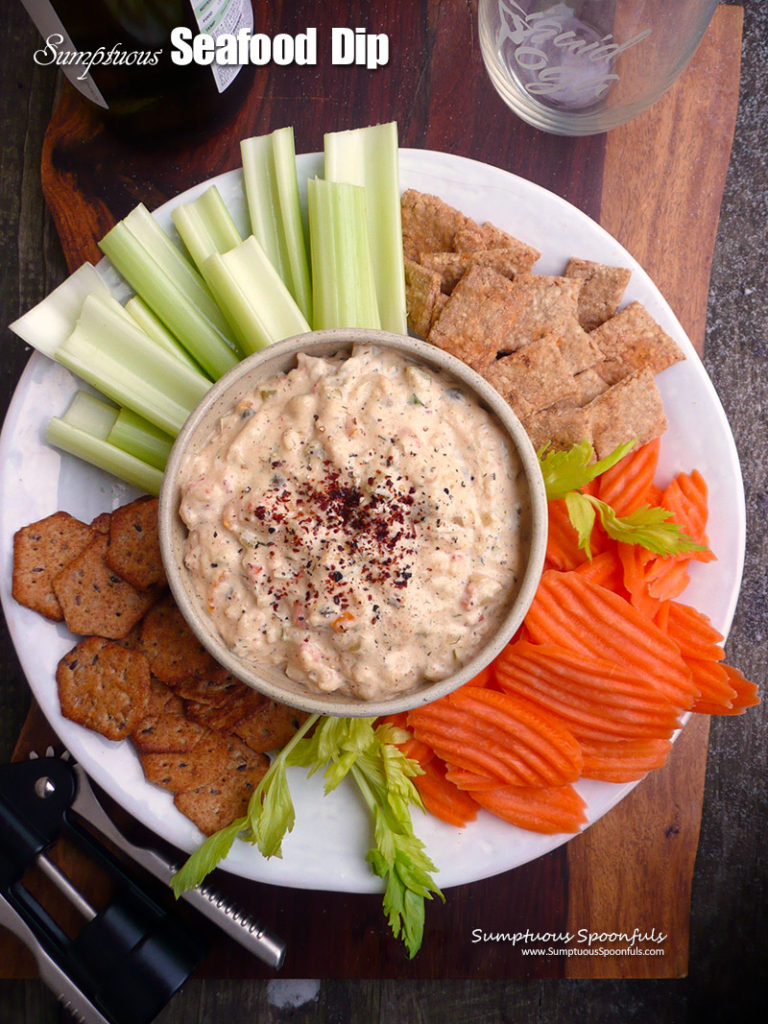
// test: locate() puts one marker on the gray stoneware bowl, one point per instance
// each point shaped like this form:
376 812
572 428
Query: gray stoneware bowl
222 398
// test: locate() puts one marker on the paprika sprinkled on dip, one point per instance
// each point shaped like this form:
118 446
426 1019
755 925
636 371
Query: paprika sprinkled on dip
356 521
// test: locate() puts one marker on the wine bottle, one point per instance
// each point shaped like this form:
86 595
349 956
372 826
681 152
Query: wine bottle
117 53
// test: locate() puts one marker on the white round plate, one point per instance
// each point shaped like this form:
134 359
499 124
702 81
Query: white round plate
327 848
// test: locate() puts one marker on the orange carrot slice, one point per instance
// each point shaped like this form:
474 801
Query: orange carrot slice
495 734
625 486
694 633
543 739
686 498
442 798
623 760
667 578
548 810
634 561
605 569
573 612
469 781
716 695
593 696
746 694
562 540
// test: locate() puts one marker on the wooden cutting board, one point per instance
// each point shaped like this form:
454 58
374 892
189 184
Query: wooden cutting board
656 185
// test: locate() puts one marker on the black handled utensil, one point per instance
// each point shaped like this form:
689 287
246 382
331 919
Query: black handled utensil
129 957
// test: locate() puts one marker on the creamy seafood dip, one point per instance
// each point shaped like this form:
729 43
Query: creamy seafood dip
359 522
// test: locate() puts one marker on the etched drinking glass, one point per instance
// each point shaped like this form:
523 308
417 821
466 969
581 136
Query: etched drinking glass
585 66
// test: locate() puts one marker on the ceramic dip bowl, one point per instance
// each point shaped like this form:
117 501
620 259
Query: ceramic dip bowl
195 594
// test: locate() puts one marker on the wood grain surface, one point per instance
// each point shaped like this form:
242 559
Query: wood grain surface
655 184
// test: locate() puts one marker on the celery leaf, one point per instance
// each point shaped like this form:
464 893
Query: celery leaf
573 469
650 527
206 857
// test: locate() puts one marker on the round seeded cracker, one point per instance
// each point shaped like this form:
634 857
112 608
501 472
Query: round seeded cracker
104 687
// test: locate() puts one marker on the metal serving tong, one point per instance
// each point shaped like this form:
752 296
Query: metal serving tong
129 957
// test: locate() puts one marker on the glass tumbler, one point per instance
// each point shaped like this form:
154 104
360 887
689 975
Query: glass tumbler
585 66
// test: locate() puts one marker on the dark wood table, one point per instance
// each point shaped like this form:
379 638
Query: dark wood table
655 184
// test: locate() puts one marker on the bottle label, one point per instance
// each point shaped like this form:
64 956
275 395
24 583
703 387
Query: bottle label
220 17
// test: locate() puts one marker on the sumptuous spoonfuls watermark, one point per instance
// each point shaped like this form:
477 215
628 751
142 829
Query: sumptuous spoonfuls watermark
581 942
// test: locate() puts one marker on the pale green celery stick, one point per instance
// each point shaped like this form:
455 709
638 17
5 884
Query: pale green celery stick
169 284
156 329
83 430
47 324
141 438
119 360
206 226
272 195
258 305
342 271
369 157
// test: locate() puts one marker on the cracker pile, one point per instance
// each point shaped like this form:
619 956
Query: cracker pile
139 672
572 366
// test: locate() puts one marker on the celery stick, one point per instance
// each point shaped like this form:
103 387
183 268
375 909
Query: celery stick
157 331
117 358
141 438
91 414
82 431
272 195
169 284
47 324
253 296
206 226
342 271
369 157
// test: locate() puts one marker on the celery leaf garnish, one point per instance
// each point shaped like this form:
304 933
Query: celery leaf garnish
367 753
567 472
650 527
573 469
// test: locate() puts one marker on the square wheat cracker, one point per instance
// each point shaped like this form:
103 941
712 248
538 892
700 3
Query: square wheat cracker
476 319
545 304
428 223
451 266
602 291
632 408
558 427
422 287
473 236
533 377
632 340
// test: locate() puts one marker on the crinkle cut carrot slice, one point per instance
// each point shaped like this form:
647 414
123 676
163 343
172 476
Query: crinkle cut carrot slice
582 616
541 733
483 761
534 759
686 498
605 569
562 540
667 578
625 486
693 632
550 810
746 694
594 697
469 781
623 760
442 798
